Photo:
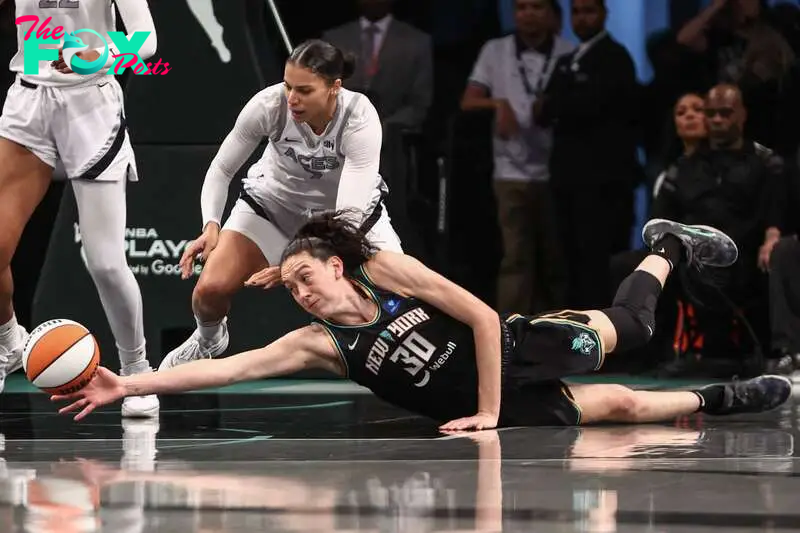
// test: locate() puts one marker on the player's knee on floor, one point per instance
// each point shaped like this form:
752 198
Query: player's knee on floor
633 310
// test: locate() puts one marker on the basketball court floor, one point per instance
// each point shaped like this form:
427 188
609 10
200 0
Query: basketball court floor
327 456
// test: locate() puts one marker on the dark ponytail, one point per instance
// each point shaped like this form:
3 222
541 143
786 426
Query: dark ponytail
348 65
324 60
332 234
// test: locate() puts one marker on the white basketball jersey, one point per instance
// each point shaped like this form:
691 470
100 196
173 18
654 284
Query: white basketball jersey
97 15
300 171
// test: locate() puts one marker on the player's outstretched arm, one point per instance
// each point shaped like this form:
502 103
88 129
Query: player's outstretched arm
308 347
404 275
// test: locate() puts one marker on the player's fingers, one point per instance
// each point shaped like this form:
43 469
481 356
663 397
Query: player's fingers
65 397
261 277
73 406
189 252
88 409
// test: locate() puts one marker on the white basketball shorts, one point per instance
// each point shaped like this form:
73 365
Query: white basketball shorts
258 224
83 127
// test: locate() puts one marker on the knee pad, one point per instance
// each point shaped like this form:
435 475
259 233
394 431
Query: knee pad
633 310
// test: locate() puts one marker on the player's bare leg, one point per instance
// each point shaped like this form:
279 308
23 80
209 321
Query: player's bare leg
24 179
229 265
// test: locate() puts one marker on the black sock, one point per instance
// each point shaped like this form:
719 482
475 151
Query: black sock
670 248
711 398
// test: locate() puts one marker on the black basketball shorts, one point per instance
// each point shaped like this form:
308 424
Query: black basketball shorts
547 348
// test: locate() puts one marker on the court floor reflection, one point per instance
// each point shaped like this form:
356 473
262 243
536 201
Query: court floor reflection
697 474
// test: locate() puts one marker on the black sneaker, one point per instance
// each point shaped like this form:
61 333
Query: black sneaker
704 245
756 395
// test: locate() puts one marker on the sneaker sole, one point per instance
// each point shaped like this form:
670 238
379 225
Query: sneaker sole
661 226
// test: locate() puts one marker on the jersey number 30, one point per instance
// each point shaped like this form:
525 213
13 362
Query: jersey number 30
49 4
415 352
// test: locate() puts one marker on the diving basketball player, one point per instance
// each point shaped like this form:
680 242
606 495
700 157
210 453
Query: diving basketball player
79 119
323 154
424 344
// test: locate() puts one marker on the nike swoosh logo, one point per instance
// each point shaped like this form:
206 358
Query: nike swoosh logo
288 140
353 346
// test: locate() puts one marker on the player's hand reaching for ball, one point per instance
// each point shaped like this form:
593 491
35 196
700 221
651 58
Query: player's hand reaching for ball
266 278
104 388
199 248
61 65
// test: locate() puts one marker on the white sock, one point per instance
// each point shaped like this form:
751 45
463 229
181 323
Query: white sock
133 361
209 331
8 331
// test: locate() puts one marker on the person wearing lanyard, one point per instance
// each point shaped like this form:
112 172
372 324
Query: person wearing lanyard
507 78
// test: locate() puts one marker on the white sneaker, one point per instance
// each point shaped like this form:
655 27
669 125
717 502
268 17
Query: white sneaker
141 406
11 359
195 347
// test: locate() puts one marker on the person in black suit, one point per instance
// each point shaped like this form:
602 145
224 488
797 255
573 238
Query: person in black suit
395 63
590 102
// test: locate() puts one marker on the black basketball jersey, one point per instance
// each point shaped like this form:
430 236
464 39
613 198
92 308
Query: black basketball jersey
411 354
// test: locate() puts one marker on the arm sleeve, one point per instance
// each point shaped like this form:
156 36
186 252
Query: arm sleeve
136 17
361 147
248 132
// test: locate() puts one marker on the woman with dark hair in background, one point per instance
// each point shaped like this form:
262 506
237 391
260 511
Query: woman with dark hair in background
689 130
323 154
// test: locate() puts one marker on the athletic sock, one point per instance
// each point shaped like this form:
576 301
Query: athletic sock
8 332
670 248
711 398
209 331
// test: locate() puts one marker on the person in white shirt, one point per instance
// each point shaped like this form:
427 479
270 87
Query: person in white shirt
323 154
79 120
508 78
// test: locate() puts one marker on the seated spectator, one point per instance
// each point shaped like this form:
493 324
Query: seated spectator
784 305
735 43
690 129
737 186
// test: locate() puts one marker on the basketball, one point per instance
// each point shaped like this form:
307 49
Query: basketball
60 357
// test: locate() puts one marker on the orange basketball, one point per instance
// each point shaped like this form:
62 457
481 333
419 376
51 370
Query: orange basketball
60 357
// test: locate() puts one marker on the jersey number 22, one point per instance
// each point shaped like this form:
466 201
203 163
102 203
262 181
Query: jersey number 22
49 4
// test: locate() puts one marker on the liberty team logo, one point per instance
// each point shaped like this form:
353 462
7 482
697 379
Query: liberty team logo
584 344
